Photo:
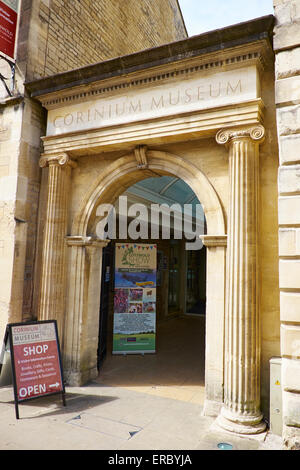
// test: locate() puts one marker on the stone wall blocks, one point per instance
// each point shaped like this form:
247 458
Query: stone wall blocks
290 375
64 27
286 11
289 274
290 307
289 179
288 120
289 210
291 437
290 341
287 63
289 149
288 90
287 97
291 409
287 36
289 242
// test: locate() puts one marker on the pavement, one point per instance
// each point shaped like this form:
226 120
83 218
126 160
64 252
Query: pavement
116 418
138 402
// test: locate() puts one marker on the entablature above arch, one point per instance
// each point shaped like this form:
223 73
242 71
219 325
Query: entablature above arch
176 128
181 92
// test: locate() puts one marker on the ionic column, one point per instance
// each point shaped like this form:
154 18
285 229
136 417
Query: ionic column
241 411
52 291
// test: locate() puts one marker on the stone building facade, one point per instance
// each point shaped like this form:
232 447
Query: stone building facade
287 67
219 111
56 36
201 109
59 35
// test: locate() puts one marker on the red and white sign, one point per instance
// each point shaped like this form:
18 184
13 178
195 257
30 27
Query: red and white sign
9 13
36 360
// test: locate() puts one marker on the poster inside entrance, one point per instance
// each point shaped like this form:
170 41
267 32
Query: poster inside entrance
135 298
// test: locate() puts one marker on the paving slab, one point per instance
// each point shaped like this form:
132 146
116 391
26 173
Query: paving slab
112 418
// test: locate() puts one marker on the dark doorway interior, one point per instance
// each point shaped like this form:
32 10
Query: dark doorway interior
196 282
107 263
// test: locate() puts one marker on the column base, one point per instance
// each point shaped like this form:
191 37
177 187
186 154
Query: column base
239 424
77 378
211 408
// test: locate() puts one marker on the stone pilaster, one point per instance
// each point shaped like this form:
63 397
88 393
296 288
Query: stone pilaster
214 322
241 411
52 291
82 310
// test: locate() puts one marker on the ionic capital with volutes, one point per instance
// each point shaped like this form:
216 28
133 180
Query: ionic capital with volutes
256 133
61 159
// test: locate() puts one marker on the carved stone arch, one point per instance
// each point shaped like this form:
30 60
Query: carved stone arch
85 258
114 181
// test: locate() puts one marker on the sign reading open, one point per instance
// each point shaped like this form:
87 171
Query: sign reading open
36 361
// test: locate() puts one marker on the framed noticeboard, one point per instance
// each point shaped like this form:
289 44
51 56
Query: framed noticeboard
35 359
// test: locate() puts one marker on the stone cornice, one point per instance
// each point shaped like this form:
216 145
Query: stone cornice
113 87
258 53
213 44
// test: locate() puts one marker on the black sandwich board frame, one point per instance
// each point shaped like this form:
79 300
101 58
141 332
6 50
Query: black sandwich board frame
8 337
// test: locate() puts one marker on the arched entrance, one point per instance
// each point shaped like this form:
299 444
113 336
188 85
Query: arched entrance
158 219
80 339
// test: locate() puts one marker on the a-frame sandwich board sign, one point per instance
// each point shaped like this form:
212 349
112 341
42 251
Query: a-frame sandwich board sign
36 360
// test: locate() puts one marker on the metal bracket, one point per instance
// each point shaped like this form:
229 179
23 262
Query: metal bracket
9 88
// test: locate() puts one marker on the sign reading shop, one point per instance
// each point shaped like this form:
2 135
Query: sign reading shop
36 361
188 95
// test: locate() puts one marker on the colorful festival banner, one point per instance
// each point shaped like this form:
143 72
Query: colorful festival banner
135 299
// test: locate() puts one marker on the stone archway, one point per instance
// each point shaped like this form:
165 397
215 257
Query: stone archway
85 254
232 337
127 169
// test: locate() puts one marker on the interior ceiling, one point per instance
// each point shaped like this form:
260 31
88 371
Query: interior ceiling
165 189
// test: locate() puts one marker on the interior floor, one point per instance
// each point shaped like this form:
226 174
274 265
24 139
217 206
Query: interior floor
175 371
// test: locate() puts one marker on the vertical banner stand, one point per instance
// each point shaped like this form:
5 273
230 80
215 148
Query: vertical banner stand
134 330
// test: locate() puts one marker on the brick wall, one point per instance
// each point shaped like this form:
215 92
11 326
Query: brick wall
287 50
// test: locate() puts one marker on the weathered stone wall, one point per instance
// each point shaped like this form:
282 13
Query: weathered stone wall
287 50
11 124
66 35
55 36
21 127
268 240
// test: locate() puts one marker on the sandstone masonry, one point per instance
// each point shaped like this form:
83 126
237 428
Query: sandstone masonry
287 69
56 36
